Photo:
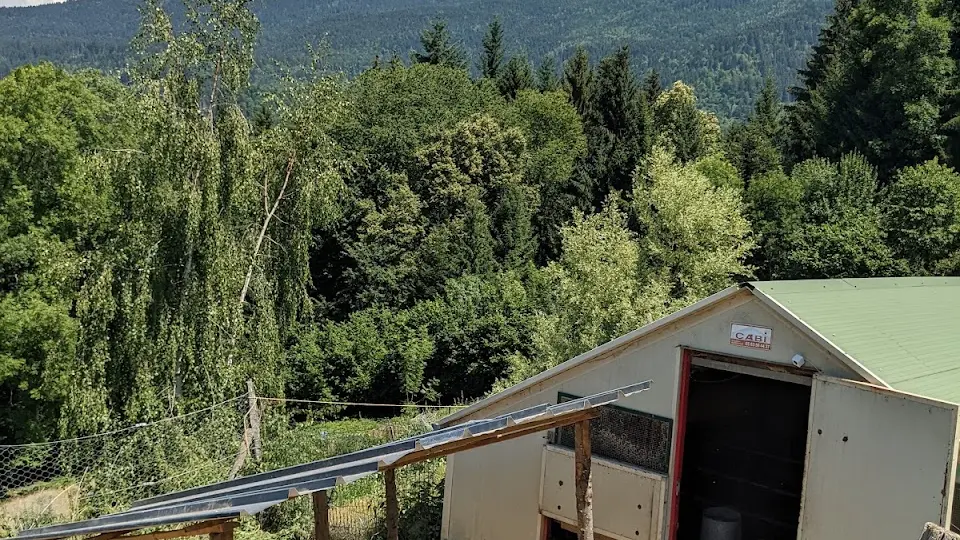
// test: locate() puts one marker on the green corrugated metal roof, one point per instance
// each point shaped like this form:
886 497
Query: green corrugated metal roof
904 330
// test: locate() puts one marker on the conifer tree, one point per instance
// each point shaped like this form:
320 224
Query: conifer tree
619 125
439 48
652 86
491 60
516 76
578 80
547 80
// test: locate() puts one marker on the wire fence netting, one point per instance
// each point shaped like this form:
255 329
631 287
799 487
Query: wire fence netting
73 479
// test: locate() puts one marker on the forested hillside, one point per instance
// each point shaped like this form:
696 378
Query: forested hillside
420 233
721 47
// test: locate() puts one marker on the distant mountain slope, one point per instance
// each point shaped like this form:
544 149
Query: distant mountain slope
722 47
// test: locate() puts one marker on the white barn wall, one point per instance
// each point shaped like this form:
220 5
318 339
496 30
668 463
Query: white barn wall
492 493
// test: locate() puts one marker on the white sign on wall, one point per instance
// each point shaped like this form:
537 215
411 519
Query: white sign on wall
754 337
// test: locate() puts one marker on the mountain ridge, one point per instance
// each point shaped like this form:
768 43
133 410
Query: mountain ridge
723 47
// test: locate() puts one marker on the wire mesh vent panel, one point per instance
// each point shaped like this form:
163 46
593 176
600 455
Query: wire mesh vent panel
631 437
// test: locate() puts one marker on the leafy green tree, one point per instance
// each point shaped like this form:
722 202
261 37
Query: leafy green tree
555 142
516 77
376 355
394 112
547 80
383 249
491 60
439 48
694 234
471 180
833 231
921 217
597 290
719 171
481 327
55 212
690 132
578 80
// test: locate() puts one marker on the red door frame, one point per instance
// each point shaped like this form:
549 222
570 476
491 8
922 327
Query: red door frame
686 357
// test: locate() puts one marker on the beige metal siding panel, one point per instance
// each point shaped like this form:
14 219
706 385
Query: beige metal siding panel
496 490
879 462
490 482
627 502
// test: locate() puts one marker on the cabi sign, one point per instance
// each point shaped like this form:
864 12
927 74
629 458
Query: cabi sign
754 337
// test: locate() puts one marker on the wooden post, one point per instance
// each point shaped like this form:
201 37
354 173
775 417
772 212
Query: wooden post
393 507
321 516
226 532
584 479
255 445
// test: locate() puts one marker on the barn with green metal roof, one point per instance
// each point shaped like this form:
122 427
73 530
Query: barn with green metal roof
813 409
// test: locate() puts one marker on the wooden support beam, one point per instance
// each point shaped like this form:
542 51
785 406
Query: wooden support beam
584 479
110 535
393 506
470 443
211 527
321 516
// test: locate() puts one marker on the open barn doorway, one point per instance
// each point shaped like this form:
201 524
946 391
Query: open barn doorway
744 442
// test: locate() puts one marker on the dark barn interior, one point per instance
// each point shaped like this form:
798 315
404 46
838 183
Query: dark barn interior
744 448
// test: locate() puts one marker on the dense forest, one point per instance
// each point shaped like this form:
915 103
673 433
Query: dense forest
420 233
724 48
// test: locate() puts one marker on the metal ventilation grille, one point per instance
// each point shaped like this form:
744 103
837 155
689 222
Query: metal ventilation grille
631 437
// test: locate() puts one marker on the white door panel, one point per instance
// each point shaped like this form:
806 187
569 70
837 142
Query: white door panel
880 463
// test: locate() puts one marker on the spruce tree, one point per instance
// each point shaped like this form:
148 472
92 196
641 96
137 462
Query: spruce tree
578 80
754 147
619 124
887 81
491 60
439 48
652 86
547 80
516 76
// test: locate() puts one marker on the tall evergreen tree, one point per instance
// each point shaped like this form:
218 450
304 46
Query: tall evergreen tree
491 60
578 80
885 88
547 80
802 113
619 125
439 47
754 147
516 76
768 111
652 86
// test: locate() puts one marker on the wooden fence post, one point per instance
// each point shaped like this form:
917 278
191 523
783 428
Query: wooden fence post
255 443
584 479
393 506
321 516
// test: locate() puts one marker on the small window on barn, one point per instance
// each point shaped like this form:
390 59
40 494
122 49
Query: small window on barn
625 435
